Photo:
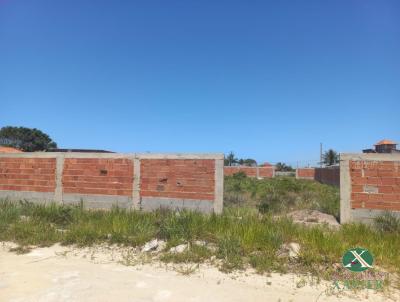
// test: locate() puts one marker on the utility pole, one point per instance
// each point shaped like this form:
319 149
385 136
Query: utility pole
320 155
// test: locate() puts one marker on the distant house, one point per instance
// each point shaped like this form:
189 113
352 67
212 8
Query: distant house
78 150
4 149
383 146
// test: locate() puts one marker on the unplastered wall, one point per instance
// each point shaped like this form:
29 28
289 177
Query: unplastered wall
100 180
305 173
28 174
259 172
325 175
369 185
328 175
104 176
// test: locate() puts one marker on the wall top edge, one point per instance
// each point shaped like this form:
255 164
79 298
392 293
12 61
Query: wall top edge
327 167
370 156
241 167
215 156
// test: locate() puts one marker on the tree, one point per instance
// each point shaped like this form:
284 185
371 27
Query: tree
330 157
282 167
26 139
230 159
249 162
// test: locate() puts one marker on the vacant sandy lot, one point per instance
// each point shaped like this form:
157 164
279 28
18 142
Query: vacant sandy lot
64 274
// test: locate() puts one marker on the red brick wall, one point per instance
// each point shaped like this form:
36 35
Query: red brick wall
375 184
305 173
98 176
264 172
109 178
178 178
27 174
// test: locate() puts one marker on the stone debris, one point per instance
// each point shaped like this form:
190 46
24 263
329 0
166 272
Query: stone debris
161 246
24 218
290 250
154 245
178 249
314 217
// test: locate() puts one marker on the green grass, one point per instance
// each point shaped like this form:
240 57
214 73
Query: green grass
195 254
242 236
388 223
280 194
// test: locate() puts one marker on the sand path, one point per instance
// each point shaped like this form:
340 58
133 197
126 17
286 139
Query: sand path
60 274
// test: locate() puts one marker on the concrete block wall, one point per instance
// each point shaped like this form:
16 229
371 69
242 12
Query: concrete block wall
305 173
100 180
369 185
325 175
328 175
259 172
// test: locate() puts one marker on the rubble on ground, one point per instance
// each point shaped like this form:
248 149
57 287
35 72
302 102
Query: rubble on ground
178 249
289 250
154 245
313 217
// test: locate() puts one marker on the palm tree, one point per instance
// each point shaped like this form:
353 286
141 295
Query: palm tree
230 159
330 157
282 167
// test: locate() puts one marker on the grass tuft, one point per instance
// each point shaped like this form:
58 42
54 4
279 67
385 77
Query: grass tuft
387 223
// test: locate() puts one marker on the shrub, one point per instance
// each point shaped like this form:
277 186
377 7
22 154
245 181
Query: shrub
281 194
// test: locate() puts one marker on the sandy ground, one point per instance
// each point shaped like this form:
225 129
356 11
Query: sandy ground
69 274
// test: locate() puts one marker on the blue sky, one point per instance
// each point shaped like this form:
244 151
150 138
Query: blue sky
268 80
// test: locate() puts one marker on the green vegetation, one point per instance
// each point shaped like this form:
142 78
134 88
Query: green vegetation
280 194
282 167
194 254
230 160
330 158
26 139
248 233
387 223
239 238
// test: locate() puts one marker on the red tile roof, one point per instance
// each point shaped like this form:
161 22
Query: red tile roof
385 142
9 150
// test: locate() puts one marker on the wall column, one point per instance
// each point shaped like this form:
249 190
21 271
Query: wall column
136 184
219 186
345 190
58 193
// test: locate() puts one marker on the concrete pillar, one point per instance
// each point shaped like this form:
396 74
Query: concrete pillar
136 184
219 186
345 190
58 193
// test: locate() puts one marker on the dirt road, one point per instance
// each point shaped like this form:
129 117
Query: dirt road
60 274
